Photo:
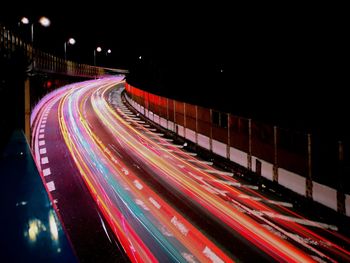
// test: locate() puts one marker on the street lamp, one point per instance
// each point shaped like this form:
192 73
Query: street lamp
44 21
98 49
70 41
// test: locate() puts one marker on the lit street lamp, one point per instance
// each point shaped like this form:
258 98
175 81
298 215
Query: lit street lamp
44 21
71 41
98 49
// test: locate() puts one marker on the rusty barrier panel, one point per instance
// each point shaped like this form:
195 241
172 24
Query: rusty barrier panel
204 122
171 107
292 151
263 141
190 116
153 101
239 133
163 107
179 110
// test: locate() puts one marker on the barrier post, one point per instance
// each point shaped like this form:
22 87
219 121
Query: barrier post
275 148
228 137
341 181
309 176
196 107
249 156
211 131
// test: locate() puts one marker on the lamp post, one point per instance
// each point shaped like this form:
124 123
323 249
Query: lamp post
98 49
44 21
70 41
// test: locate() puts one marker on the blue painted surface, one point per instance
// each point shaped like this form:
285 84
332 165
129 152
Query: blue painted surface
29 228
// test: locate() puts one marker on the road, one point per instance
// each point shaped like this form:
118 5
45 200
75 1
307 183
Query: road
155 201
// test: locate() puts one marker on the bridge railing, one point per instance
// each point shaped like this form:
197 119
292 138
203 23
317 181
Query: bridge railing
37 60
284 156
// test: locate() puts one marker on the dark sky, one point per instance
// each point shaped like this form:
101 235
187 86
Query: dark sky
289 57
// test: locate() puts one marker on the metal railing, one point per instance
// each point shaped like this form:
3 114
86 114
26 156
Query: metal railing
12 46
277 148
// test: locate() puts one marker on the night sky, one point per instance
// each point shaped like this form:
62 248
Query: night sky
282 64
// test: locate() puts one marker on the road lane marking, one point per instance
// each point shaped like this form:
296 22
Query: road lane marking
192 154
169 145
217 172
138 185
42 150
212 256
237 184
44 160
265 200
46 172
300 221
180 226
51 186
198 161
155 203
41 136
41 130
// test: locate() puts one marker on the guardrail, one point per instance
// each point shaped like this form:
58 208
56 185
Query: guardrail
37 60
280 155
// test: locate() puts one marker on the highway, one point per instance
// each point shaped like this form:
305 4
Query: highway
154 200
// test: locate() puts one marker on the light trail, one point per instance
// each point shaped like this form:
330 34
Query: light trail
119 157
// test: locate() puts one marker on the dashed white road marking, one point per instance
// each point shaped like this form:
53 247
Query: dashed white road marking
154 202
300 221
265 200
217 172
180 226
192 154
41 130
173 145
237 184
42 150
41 136
41 143
138 185
156 133
211 255
46 172
44 160
42 126
199 161
51 186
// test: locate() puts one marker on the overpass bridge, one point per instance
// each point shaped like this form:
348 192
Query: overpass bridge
120 170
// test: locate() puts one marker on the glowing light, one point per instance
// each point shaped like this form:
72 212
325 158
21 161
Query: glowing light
35 227
71 41
109 51
25 20
44 21
99 49
53 226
